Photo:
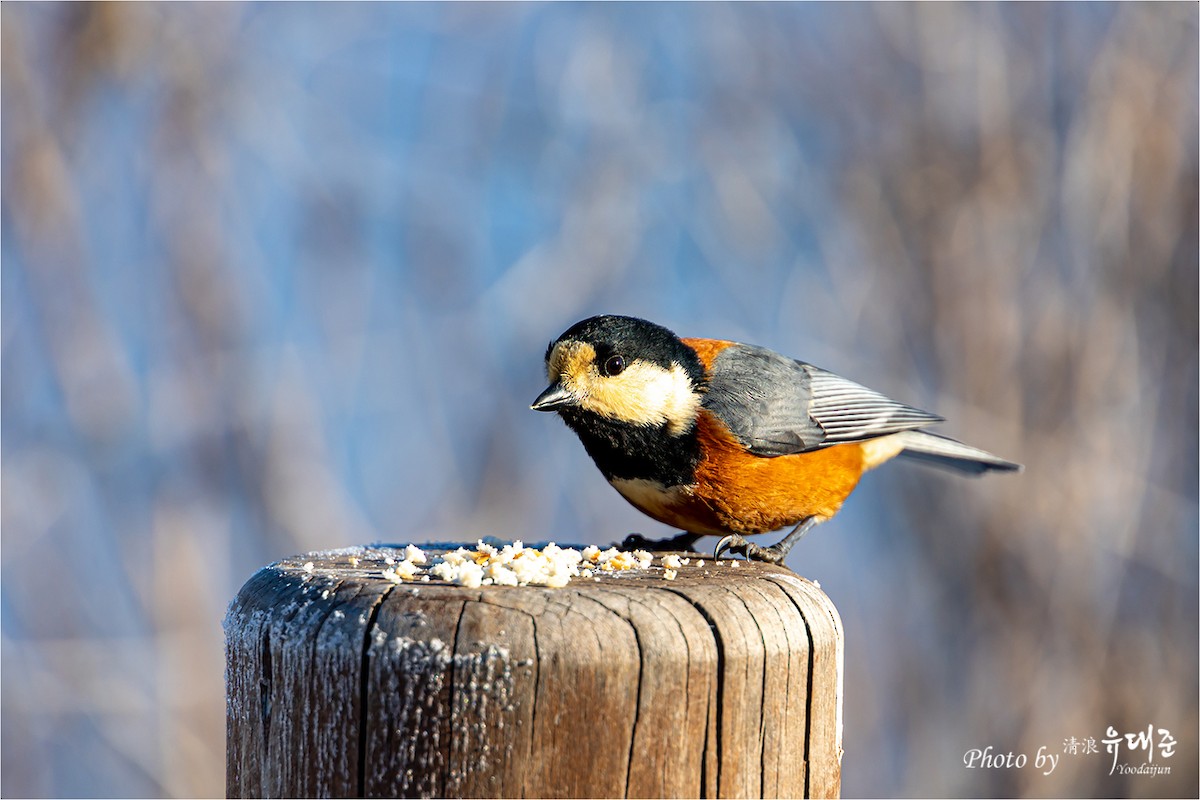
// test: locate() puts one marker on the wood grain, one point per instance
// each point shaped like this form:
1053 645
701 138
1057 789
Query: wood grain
725 682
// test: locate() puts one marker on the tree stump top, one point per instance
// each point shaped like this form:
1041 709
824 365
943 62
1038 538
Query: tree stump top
725 681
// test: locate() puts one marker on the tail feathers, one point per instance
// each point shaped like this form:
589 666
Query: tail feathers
942 451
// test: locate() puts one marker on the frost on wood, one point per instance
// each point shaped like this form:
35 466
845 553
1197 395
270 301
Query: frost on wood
342 681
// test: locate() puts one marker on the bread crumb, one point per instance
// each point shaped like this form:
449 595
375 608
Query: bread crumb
622 560
669 574
501 575
672 562
308 566
492 564
470 575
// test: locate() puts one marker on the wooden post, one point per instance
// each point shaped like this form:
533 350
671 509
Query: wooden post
725 682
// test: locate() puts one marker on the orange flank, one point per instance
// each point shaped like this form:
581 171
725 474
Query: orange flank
751 494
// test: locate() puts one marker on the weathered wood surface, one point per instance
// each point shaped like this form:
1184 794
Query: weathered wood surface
725 682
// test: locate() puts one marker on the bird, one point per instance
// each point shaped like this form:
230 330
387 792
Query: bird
720 438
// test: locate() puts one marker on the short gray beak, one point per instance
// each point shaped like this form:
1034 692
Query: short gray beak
555 397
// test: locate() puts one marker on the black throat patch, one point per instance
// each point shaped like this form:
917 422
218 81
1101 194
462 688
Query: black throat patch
626 451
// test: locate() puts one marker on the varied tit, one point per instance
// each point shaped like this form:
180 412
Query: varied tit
727 439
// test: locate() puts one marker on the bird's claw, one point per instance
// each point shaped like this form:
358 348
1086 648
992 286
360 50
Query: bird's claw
753 552
733 543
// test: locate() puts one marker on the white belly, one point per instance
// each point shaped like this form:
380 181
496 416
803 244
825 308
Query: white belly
667 504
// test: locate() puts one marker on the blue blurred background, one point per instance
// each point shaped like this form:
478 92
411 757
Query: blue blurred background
280 277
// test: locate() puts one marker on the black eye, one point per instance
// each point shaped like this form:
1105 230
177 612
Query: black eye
614 365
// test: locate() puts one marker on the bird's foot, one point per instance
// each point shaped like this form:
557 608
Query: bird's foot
738 544
773 554
684 541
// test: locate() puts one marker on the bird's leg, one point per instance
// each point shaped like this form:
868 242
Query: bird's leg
773 554
684 541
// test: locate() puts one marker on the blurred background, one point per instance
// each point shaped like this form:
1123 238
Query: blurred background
280 277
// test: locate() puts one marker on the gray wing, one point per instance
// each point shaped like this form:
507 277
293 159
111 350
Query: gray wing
778 406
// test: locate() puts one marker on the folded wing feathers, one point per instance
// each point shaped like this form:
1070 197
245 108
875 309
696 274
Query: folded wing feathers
848 412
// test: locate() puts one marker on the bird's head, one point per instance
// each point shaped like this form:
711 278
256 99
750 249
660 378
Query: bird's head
622 369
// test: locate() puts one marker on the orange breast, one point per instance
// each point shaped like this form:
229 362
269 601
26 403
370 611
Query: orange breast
746 494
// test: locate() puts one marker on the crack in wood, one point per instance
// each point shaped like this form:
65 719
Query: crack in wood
791 584
719 641
364 679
